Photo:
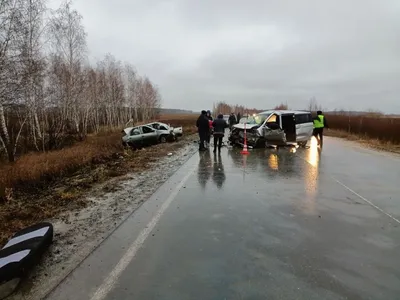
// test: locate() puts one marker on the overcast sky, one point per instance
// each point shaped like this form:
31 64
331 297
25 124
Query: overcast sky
345 53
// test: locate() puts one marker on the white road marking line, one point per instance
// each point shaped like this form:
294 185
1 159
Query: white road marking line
358 195
366 200
112 278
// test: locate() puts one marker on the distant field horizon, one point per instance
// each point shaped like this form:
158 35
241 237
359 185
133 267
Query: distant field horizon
167 111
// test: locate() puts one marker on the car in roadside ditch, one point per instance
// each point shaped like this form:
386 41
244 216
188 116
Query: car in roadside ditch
146 135
274 127
178 131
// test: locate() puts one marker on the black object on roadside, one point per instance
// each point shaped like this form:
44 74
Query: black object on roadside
21 253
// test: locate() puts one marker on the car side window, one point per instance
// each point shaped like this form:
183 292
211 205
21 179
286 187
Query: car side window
147 129
135 131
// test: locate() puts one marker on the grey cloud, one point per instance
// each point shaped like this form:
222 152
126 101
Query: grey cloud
257 52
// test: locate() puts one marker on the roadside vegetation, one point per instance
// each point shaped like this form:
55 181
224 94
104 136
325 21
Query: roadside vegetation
41 185
379 127
51 96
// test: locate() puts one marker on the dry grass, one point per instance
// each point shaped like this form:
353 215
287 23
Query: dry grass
379 128
42 185
365 140
36 169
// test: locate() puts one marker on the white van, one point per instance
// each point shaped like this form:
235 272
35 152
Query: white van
297 127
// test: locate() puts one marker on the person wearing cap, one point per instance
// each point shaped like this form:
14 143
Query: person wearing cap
203 128
219 126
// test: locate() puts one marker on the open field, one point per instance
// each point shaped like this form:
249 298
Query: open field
377 128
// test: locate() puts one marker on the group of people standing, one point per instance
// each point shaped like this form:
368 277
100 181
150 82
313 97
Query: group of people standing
207 126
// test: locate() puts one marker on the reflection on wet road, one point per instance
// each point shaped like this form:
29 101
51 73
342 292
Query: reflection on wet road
275 224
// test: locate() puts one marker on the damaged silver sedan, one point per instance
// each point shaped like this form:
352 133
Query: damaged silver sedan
275 127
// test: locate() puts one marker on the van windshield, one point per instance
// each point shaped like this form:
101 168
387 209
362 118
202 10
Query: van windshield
254 120
260 118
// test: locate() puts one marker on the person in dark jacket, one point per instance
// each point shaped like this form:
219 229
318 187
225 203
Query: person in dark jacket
203 128
232 120
238 118
319 125
219 126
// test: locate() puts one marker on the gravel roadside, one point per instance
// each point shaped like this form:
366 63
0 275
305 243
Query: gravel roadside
79 232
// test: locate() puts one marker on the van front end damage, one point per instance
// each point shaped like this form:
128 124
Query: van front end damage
258 137
253 137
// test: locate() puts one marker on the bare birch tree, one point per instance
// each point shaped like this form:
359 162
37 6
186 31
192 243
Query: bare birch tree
10 31
49 91
33 63
68 38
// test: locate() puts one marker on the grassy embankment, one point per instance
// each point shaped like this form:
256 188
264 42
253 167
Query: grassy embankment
39 185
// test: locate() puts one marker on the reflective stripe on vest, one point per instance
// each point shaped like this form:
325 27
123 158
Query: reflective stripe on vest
319 123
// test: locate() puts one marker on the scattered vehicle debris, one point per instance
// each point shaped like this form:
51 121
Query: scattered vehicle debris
21 254
274 127
146 135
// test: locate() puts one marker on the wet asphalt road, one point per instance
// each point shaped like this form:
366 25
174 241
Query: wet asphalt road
272 225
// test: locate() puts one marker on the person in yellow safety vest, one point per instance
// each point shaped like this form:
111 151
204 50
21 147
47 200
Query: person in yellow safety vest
319 125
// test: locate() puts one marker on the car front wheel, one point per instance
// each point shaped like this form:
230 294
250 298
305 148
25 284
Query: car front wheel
163 139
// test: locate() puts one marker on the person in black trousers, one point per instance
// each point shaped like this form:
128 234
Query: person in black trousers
219 126
319 125
203 128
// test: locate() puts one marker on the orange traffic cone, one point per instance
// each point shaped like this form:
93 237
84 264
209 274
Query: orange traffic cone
245 151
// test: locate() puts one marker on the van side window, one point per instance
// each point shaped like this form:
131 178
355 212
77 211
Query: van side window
273 119
303 118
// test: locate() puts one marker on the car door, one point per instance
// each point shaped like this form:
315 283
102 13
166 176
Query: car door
149 136
272 118
135 137
257 119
